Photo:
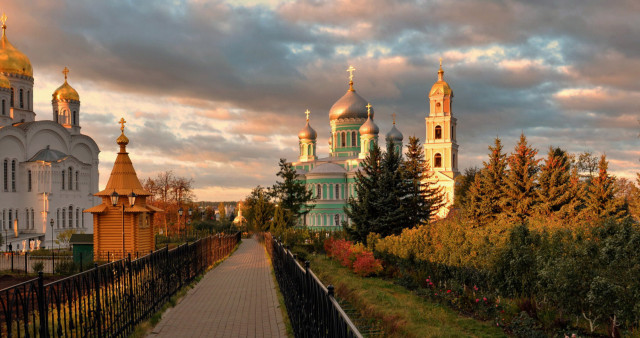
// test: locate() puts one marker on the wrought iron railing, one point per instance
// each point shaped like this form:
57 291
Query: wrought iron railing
312 308
110 299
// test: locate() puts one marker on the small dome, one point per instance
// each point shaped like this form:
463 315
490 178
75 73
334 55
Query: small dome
12 60
4 82
307 133
394 134
441 86
66 92
350 105
48 155
328 168
369 128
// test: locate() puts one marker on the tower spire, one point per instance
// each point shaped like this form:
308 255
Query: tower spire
440 72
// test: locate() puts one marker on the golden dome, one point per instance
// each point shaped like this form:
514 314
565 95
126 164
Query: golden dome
66 92
12 60
4 82
307 133
369 127
441 87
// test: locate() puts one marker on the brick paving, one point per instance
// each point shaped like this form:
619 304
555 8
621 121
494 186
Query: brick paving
236 299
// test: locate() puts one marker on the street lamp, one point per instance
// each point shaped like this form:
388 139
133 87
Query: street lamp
114 202
51 223
180 212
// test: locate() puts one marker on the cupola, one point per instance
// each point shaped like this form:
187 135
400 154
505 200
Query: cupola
350 105
12 61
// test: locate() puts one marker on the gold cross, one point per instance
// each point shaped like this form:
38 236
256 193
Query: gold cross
307 112
3 19
350 70
65 71
440 62
122 122
368 109
394 118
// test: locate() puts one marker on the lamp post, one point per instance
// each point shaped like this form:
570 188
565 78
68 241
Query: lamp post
114 202
180 212
51 223
190 212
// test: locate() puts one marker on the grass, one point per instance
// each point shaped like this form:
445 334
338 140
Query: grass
145 327
281 304
401 312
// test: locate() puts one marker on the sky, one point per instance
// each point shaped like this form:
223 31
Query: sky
216 90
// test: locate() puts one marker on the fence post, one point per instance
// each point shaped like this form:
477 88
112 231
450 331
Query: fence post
11 260
131 302
26 254
96 279
41 308
81 262
53 262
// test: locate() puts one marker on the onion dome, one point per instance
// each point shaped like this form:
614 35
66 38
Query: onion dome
307 133
66 92
394 134
350 105
12 60
4 82
441 86
369 127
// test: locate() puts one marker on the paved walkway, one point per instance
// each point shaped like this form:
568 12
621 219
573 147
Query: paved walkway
236 299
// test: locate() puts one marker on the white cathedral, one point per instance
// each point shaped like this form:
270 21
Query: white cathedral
49 168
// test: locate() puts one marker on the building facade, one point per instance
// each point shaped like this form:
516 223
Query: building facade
49 168
353 134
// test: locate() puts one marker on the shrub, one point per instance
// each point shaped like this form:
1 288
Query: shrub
37 267
65 267
367 265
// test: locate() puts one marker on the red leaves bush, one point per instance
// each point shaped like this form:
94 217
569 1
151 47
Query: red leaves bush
353 256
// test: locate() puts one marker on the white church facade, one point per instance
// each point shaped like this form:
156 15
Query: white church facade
49 168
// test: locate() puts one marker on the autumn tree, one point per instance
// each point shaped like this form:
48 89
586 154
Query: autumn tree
587 164
520 181
422 198
258 209
554 182
168 192
462 185
291 193
601 198
485 193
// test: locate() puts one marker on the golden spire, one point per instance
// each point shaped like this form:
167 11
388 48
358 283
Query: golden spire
394 118
65 71
350 70
368 110
3 19
122 140
440 72
307 112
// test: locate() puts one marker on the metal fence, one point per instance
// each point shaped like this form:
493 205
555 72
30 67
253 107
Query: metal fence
312 309
110 299
24 262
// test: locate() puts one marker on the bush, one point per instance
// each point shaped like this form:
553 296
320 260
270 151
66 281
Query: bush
65 267
37 267
355 257
366 265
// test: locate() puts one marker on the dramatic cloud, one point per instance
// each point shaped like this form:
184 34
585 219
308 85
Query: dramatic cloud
216 90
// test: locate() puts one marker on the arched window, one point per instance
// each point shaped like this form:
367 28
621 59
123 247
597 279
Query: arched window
4 219
82 214
77 217
58 219
21 99
453 160
353 139
26 215
75 118
438 107
70 178
77 184
343 139
57 117
4 108
6 175
62 179
29 183
438 132
437 161
13 175
64 218
309 150
32 220
70 216
12 94
28 100
319 191
337 191
10 219
336 217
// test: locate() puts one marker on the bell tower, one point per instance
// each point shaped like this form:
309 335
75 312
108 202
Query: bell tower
440 146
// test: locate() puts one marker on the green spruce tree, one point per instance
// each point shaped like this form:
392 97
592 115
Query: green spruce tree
520 182
601 198
485 193
291 193
577 195
391 200
422 198
258 209
554 182
362 208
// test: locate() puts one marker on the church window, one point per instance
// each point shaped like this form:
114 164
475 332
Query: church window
70 178
438 107
10 219
26 215
32 219
12 93
319 191
337 191
13 175
453 160
77 185
4 108
344 142
309 150
57 117
28 99
62 179
437 160
64 217
324 192
29 184
4 219
353 139
77 217
6 175
438 132
337 216
58 219
21 99
324 219
70 216
82 213
75 118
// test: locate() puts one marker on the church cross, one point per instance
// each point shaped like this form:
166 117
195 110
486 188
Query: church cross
440 62
65 71
307 112
3 19
350 70
122 122
394 118
368 109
